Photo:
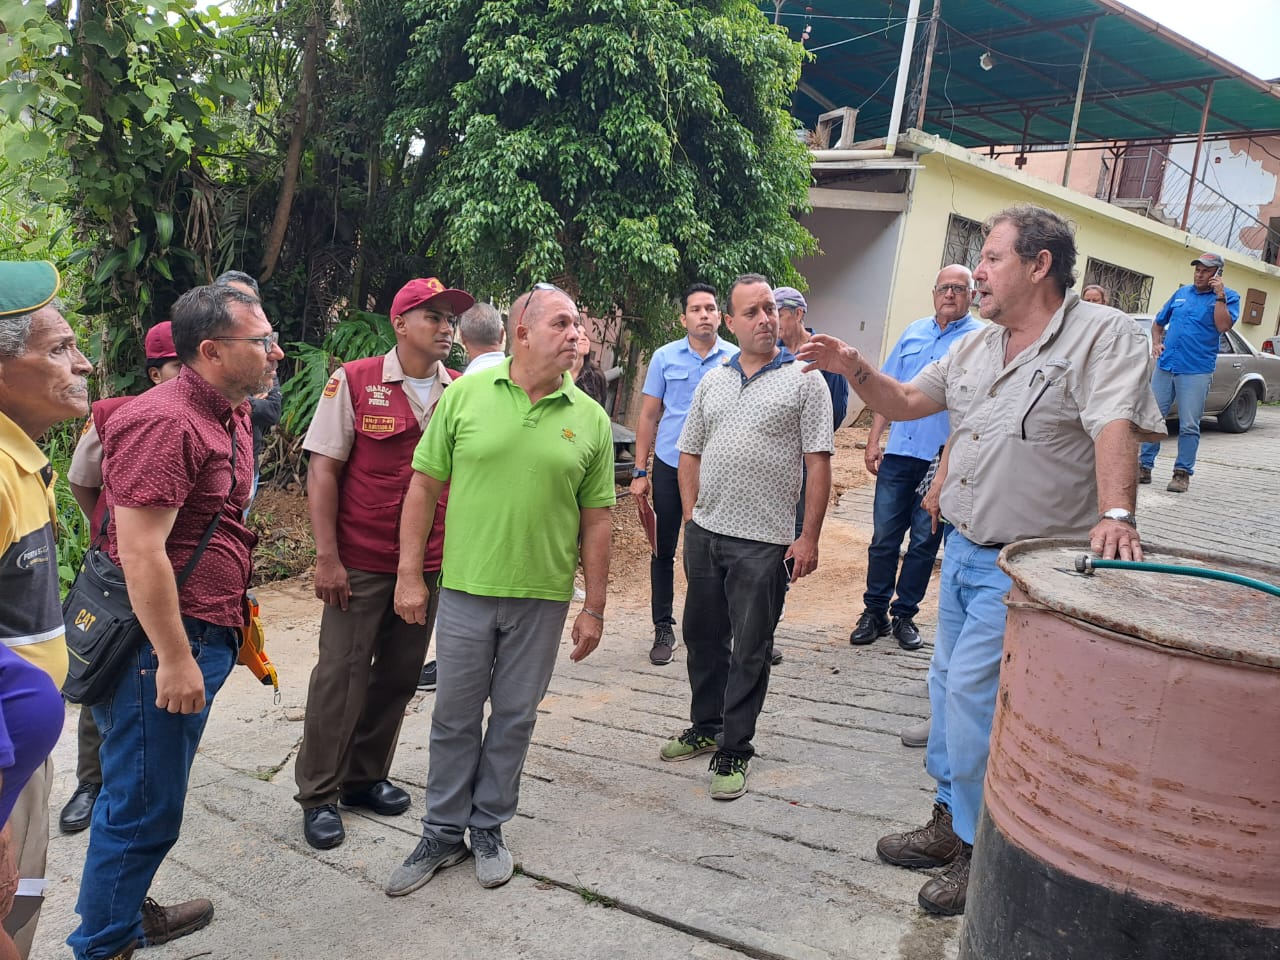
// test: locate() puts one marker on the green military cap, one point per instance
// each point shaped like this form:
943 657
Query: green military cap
26 287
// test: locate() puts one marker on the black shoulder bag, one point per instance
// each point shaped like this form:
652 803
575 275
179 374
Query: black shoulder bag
103 632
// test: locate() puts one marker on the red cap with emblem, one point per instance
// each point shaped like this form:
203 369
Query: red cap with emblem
417 292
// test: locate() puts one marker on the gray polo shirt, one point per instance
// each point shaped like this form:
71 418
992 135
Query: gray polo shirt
1022 460
752 435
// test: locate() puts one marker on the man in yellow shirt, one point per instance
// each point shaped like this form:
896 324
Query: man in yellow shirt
42 382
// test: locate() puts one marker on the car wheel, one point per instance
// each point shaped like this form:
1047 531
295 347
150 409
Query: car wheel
1239 416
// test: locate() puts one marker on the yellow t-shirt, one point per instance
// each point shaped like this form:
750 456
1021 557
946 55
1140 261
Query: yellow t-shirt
31 610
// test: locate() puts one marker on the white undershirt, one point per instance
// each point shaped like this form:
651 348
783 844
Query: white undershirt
421 387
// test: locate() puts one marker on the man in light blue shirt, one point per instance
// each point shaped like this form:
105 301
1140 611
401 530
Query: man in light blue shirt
1195 317
675 370
901 466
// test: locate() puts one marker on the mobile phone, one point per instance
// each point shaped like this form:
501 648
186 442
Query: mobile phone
1219 273
789 565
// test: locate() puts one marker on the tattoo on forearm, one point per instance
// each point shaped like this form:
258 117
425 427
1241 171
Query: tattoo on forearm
862 375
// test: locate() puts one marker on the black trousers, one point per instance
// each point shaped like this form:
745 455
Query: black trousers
730 611
665 486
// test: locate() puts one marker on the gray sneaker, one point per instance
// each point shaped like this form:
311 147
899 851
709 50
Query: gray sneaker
916 735
493 860
431 854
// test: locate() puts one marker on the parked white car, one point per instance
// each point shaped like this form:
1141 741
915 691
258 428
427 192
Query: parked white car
1242 378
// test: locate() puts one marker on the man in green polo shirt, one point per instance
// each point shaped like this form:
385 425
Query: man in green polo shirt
530 461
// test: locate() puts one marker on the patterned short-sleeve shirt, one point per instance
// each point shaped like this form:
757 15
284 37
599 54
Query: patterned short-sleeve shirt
752 435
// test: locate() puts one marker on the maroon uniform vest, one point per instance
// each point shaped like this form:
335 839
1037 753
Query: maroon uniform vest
100 412
377 474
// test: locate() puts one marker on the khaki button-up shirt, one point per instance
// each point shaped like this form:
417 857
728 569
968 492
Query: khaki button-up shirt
1022 460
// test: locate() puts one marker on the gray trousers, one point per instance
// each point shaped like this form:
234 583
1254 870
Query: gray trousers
499 649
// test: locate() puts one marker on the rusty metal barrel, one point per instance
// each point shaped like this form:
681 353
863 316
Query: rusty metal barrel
1132 800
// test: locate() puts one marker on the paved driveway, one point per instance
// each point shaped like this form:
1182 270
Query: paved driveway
1233 506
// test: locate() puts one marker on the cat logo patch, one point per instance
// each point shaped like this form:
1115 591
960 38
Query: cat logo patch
568 435
371 424
331 388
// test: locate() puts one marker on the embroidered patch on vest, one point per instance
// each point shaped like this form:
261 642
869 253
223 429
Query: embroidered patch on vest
371 424
331 388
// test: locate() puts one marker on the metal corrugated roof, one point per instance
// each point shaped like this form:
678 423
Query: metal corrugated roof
1144 82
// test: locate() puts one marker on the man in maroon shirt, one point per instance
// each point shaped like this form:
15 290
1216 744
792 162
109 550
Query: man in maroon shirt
175 458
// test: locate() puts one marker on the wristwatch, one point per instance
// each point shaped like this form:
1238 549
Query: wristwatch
1121 514
637 474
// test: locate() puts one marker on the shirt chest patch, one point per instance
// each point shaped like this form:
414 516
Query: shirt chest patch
569 435
372 424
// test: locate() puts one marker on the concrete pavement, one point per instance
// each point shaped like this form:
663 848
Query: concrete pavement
622 855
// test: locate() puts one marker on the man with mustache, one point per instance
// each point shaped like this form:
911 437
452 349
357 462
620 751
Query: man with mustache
175 459
1047 405
42 382
753 423
371 416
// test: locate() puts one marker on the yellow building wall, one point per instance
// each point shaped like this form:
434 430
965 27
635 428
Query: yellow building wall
958 181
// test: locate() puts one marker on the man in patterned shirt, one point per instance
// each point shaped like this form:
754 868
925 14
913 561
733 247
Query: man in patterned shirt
752 424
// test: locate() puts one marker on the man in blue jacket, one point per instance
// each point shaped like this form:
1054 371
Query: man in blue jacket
1184 341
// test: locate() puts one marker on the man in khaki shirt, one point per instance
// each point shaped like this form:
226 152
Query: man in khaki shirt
1047 407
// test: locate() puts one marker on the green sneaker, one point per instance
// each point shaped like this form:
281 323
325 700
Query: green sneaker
686 746
728 777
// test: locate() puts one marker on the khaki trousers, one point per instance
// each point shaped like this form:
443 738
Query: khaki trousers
370 662
29 842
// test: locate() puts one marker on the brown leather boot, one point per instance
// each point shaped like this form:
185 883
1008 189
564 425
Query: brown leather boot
1181 480
162 924
933 845
945 893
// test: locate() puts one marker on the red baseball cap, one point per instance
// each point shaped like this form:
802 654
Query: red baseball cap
159 342
423 290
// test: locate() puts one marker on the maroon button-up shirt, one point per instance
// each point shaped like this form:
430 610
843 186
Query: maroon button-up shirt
171 448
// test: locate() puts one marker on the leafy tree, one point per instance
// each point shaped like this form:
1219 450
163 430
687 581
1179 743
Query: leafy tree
623 148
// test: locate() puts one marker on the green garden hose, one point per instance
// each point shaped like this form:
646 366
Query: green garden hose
1086 564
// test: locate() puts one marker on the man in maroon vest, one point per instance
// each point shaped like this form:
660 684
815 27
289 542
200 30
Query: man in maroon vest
368 422
85 477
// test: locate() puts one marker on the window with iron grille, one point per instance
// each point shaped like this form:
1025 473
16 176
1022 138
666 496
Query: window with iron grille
1127 290
963 244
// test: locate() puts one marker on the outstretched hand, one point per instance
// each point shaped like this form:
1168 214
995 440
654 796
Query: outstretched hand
823 352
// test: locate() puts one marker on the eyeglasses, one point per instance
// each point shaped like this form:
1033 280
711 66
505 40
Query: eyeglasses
268 343
536 288
956 288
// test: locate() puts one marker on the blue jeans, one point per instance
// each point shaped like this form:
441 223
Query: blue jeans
146 759
964 677
1190 390
897 510
731 606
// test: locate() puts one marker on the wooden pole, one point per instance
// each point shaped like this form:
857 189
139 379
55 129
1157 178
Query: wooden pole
1191 182
928 64
1075 114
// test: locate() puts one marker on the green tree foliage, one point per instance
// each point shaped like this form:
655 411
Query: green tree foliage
623 148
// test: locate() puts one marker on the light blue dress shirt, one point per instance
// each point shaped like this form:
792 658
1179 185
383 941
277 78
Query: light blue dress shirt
674 373
921 344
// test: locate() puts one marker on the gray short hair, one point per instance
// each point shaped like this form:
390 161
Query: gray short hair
203 313
237 276
15 331
481 326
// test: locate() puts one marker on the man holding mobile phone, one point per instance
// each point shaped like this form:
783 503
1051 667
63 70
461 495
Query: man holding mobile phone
1184 341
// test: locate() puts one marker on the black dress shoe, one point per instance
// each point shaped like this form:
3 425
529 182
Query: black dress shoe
322 826
872 624
905 632
78 812
383 797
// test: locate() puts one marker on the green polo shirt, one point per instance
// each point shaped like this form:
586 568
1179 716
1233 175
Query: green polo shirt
519 475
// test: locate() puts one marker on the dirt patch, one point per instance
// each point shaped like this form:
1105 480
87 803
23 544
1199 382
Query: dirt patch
285 547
